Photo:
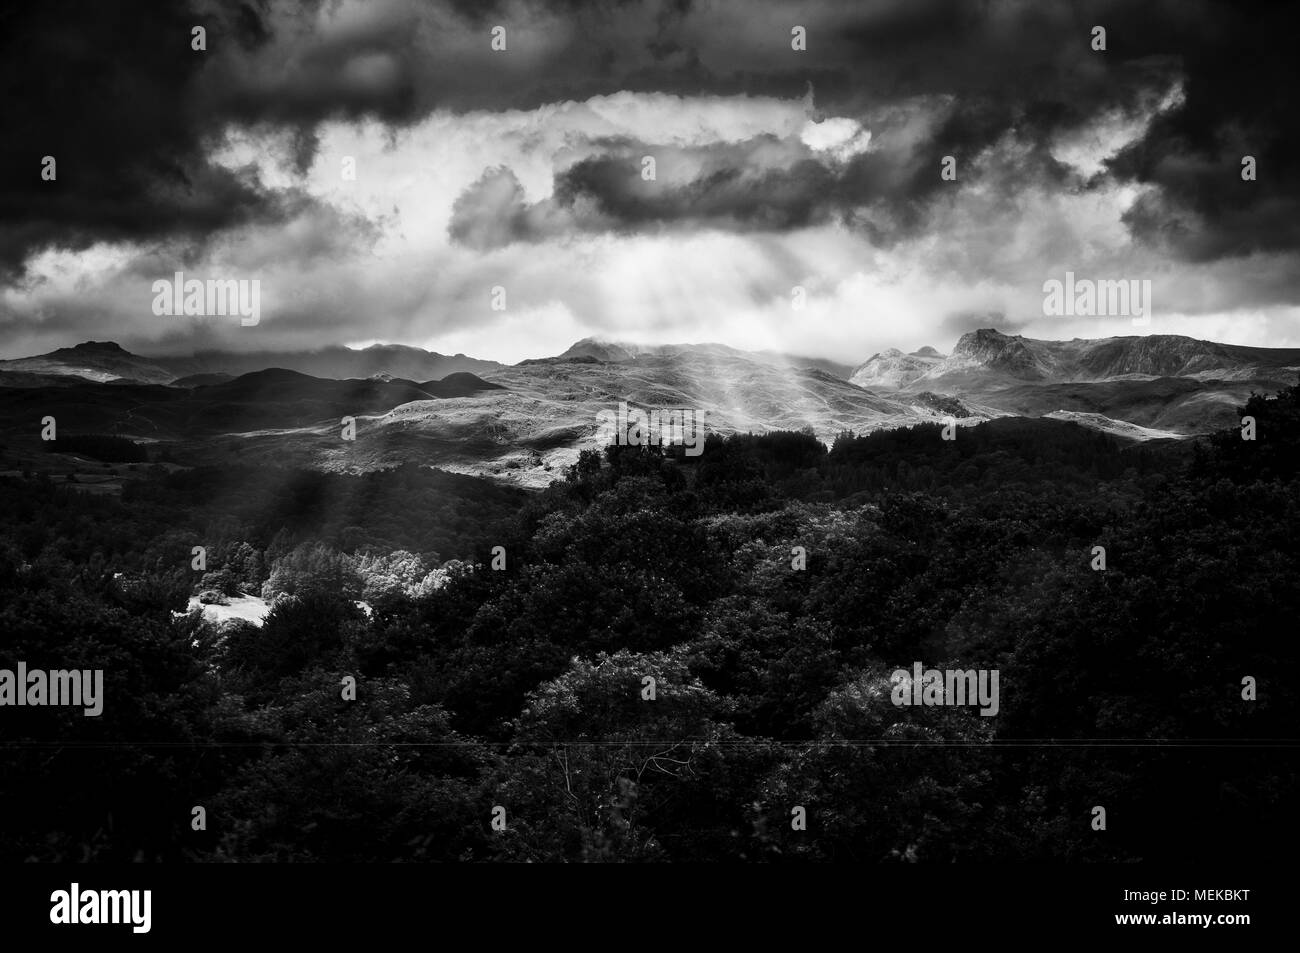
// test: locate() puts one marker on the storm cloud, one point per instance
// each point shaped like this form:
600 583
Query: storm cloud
480 165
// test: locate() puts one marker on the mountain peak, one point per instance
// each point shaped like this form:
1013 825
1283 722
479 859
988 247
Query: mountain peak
986 336
100 347
395 349
892 368
991 348
601 350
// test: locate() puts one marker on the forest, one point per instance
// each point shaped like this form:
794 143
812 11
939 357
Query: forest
499 643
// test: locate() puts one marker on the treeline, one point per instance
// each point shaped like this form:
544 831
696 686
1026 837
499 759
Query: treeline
999 453
157 521
103 447
747 471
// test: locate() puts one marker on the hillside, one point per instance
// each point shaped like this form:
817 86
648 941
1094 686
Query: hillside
1168 383
99 361
524 424
543 414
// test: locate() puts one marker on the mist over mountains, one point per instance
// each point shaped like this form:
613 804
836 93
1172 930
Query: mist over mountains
524 423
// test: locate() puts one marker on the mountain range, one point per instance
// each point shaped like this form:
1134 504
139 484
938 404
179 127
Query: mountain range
1164 382
523 423
106 361
987 355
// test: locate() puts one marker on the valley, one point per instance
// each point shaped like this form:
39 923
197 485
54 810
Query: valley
524 424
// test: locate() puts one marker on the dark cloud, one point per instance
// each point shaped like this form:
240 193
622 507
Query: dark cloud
727 189
763 184
1241 76
131 113
1023 71
108 90
724 186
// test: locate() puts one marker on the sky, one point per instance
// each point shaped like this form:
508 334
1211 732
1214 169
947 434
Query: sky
524 169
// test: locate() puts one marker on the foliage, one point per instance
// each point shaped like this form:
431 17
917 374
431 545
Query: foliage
526 687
